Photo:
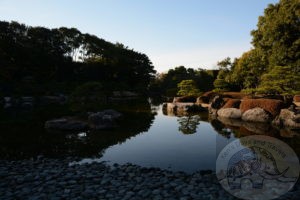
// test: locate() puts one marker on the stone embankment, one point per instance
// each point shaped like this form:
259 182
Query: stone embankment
60 179
277 110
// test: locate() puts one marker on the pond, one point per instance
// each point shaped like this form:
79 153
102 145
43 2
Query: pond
145 136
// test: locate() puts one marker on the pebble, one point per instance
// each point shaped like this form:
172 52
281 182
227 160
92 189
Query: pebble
55 179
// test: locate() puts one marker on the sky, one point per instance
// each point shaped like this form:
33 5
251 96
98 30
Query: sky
192 33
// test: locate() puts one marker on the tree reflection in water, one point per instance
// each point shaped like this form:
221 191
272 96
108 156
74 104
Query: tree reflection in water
188 124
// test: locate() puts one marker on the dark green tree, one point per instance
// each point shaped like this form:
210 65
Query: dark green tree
188 88
280 80
278 34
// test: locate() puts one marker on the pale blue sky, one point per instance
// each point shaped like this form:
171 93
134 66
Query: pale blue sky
193 33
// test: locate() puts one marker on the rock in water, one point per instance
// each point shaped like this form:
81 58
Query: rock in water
256 115
65 124
288 118
232 113
103 120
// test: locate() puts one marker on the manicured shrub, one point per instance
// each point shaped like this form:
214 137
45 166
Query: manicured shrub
234 95
271 105
232 103
185 99
297 98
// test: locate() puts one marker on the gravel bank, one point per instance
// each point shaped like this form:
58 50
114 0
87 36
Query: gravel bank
55 179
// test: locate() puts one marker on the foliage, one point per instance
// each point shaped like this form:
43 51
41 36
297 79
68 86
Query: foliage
188 88
166 83
272 66
280 80
48 57
278 34
89 89
221 82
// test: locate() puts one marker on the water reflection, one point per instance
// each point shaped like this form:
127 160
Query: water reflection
146 136
188 124
23 135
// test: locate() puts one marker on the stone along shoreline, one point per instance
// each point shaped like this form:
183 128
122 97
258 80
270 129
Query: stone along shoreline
58 179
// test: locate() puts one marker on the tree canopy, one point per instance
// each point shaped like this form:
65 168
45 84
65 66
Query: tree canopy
55 60
188 88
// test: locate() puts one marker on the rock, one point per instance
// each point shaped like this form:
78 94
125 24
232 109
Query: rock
185 99
256 115
217 102
65 124
103 120
233 113
181 109
288 118
207 97
270 105
195 108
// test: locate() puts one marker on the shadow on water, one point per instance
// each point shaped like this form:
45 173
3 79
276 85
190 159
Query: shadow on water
23 135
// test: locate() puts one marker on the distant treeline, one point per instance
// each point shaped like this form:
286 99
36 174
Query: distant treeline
167 84
41 61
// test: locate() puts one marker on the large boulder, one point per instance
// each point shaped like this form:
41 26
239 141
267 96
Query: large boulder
181 109
256 115
66 124
185 99
216 104
270 105
103 120
288 118
207 97
233 113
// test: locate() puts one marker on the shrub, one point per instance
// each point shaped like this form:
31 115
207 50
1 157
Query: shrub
270 105
234 95
187 88
89 89
232 103
297 98
192 99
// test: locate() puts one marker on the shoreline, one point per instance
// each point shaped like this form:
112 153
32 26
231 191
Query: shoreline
56 179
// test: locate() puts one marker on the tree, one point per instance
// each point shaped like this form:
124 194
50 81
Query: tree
280 80
222 82
278 34
188 88
69 58
247 70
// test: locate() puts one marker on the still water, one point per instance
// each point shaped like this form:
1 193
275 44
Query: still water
166 145
146 136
